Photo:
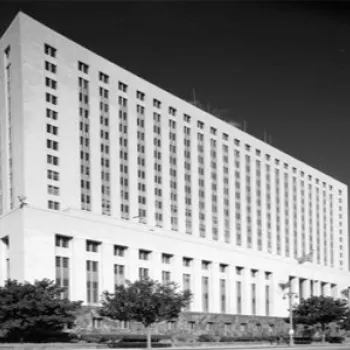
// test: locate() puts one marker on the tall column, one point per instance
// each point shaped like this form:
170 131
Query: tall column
317 288
78 269
107 267
260 293
214 288
306 289
231 290
197 286
246 292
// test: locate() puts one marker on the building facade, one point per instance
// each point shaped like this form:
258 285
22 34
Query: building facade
106 177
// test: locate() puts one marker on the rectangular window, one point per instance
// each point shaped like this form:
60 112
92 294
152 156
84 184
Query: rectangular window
119 275
62 275
144 254
62 241
83 67
51 83
50 67
140 95
223 295
165 277
53 205
156 103
120 250
166 258
53 175
104 78
205 294
122 87
92 246
51 114
54 190
92 281
187 262
253 290
49 50
205 264
267 300
143 273
239 297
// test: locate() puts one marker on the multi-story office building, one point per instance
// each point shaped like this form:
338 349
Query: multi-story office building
106 177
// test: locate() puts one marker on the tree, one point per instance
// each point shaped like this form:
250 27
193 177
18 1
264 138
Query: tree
145 301
27 309
320 310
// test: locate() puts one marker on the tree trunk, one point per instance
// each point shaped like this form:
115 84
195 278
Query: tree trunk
149 331
323 334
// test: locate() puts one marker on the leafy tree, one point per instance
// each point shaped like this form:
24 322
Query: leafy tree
27 309
320 310
145 301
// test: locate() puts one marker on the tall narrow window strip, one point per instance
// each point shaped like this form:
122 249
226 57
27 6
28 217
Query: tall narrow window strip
92 282
173 175
62 275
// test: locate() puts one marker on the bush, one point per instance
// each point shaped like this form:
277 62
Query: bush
143 338
302 340
247 339
207 338
41 336
335 339
135 344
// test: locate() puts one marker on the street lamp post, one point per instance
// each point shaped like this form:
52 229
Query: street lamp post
290 295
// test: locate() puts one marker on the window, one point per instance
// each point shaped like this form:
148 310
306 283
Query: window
50 67
225 137
223 267
104 78
205 294
119 275
213 131
253 272
122 87
140 95
49 50
52 159
53 175
51 98
187 118
54 190
120 250
143 273
187 262
205 264
51 83
53 205
62 241
62 275
92 281
51 129
165 277
172 111
156 103
52 145
166 258
51 114
144 254
83 67
239 270
92 246
267 275
200 124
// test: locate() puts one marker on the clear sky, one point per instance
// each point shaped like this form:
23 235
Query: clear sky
282 67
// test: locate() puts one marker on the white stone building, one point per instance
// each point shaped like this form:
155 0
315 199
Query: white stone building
106 177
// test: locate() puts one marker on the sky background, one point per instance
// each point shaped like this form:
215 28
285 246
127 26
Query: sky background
282 67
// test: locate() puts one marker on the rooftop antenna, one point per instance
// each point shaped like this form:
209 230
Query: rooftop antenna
245 125
194 96
270 139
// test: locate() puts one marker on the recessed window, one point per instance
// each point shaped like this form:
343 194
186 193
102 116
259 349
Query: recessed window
50 67
187 262
53 205
53 175
205 264
49 50
237 142
140 95
156 103
52 145
51 83
54 190
62 241
172 111
120 250
122 87
92 246
253 272
223 267
52 159
166 258
225 137
144 254
239 270
200 124
187 118
104 78
83 67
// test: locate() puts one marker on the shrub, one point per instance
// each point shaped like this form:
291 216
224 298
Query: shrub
302 340
143 338
135 344
335 339
207 338
41 336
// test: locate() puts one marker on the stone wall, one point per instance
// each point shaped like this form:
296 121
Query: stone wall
195 323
